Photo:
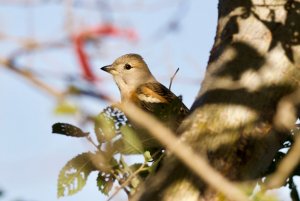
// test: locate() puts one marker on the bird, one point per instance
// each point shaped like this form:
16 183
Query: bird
137 85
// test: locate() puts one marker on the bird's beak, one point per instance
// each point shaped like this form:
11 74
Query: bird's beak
107 68
110 69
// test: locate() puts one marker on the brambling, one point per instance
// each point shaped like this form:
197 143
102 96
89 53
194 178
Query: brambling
137 84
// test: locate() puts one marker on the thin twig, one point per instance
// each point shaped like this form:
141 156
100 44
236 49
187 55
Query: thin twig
192 160
172 78
127 181
286 166
120 182
30 77
92 141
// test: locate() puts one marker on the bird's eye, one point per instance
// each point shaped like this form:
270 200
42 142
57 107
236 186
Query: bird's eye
127 66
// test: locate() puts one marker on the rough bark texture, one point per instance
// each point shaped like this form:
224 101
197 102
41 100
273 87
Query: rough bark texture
254 64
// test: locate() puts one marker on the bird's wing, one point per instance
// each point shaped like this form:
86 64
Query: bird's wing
155 96
158 100
155 92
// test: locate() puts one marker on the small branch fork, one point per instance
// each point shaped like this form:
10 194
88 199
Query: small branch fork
128 180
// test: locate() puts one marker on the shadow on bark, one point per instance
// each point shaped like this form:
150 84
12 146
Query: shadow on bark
288 33
263 101
233 159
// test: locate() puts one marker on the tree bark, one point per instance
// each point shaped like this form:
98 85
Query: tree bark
235 120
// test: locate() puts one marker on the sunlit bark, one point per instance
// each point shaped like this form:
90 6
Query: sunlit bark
235 121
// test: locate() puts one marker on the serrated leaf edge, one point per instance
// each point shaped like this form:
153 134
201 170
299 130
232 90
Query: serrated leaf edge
79 171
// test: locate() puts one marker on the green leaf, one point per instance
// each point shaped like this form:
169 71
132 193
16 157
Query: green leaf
74 174
263 197
104 128
130 142
135 182
143 173
108 123
66 108
156 163
105 182
68 130
147 156
134 167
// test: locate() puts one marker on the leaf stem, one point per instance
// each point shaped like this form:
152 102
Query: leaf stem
92 142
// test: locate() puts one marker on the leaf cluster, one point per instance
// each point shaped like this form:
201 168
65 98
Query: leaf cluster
116 138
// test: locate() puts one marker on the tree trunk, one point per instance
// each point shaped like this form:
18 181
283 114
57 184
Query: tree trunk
236 121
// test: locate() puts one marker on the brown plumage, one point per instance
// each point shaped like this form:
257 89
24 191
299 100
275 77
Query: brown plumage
137 84
168 107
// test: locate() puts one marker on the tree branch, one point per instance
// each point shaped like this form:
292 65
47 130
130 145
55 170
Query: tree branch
192 160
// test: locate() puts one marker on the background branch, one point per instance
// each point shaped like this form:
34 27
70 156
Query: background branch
31 78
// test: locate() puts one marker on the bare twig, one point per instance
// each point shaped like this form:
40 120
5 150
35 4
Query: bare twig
195 162
120 181
127 181
92 142
172 78
286 166
30 77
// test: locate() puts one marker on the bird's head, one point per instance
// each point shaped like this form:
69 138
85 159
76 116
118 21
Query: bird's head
129 72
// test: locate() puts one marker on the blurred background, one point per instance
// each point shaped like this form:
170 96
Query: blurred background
50 55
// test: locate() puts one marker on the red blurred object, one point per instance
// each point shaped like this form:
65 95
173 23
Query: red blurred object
97 31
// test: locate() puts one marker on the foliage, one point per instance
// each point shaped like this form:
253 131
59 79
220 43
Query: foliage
115 139
74 174
105 182
68 130
66 108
